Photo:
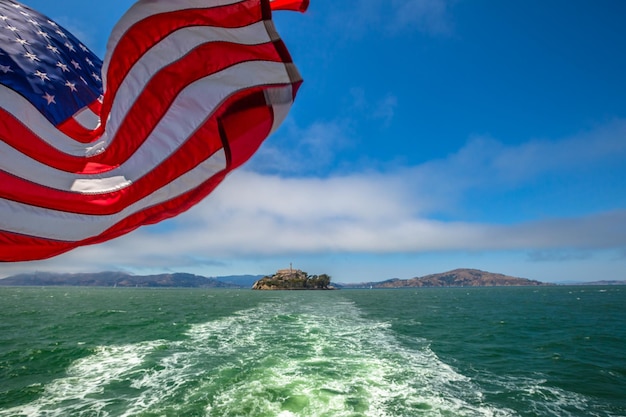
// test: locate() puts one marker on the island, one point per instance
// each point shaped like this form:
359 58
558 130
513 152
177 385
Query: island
293 279
456 278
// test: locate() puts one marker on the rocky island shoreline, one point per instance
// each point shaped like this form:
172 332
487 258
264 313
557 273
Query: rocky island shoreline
293 279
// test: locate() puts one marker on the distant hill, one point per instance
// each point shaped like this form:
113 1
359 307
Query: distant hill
455 278
115 279
245 281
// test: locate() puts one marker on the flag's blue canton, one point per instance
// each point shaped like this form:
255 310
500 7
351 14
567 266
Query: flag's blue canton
46 64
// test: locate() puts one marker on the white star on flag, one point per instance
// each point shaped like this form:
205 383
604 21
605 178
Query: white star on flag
42 75
49 98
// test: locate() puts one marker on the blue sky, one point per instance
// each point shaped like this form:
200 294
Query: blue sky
428 135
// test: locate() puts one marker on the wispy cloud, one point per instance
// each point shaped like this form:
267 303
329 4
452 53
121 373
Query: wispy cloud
382 109
297 150
315 149
395 17
430 16
385 109
485 162
559 255
83 34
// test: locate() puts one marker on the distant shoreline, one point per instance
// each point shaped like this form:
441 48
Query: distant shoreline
460 278
338 288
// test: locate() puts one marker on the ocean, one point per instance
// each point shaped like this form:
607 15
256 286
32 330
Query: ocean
529 351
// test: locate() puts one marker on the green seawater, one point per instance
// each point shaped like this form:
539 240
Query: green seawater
534 351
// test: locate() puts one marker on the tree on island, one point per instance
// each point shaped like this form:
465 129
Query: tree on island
318 281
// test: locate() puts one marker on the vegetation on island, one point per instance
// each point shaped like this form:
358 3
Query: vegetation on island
293 279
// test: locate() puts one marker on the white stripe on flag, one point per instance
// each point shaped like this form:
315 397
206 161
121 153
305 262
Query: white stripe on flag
87 119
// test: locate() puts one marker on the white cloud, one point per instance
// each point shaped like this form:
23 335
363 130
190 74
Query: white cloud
256 214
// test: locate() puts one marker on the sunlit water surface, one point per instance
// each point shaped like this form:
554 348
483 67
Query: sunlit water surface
535 351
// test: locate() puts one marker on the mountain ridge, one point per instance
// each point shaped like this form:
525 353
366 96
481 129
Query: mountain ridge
115 279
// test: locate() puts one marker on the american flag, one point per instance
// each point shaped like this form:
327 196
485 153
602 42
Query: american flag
91 150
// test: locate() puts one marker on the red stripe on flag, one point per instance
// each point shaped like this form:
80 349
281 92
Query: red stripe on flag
294 5
78 132
19 248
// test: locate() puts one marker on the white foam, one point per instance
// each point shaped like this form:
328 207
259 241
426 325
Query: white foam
82 391
543 399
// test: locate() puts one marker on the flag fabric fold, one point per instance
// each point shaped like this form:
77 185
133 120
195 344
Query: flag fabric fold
91 150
